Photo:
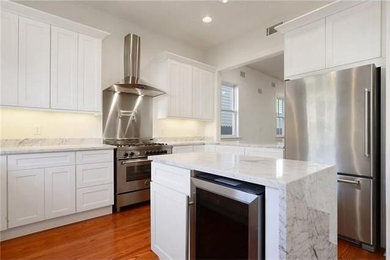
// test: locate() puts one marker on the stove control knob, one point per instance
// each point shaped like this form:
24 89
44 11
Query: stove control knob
126 155
132 154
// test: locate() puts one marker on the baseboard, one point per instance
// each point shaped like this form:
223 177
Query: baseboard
52 223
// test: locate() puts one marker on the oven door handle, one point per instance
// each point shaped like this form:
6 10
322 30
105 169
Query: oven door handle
136 162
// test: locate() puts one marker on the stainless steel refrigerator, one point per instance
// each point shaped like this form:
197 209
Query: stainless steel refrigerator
334 119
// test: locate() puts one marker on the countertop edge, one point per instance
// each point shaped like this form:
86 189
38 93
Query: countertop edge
48 149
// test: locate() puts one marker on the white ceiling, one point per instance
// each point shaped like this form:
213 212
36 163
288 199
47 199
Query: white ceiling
182 19
273 66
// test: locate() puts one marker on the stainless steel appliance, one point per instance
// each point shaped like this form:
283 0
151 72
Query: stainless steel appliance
128 124
227 218
334 119
133 170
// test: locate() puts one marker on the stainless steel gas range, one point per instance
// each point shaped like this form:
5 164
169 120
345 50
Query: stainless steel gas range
133 170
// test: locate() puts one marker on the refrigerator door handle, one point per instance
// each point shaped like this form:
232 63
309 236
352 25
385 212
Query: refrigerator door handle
366 122
355 182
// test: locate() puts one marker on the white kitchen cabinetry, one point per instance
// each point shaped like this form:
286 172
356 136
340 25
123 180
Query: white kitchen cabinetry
189 86
26 197
304 49
94 179
203 94
63 69
55 64
334 36
95 197
9 59
59 191
354 34
89 73
3 193
168 214
34 63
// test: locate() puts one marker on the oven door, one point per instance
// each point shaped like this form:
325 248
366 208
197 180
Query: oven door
133 175
225 223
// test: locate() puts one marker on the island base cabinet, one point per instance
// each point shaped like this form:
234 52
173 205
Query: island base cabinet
169 216
26 197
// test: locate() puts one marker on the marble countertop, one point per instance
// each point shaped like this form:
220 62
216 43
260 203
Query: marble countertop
264 171
53 148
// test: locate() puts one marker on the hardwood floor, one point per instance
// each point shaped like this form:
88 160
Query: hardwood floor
124 235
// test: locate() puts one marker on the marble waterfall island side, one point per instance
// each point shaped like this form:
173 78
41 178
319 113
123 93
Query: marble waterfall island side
300 202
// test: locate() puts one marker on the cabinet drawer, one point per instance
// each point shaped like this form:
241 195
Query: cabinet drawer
265 152
94 174
175 178
40 160
94 156
95 197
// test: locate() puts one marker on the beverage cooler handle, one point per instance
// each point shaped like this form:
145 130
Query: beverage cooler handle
366 122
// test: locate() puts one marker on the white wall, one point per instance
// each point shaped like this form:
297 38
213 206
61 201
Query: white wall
152 44
20 124
245 49
257 112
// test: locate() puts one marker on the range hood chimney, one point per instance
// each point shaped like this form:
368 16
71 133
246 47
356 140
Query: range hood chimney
132 83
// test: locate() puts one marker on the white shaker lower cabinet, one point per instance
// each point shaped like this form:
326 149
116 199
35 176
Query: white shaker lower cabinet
26 197
59 191
94 197
169 212
3 193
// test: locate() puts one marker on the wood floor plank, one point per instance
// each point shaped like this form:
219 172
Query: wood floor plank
123 235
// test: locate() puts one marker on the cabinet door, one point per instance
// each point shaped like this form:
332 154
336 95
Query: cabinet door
89 74
180 89
26 197
94 174
169 222
3 192
354 34
203 94
63 69
304 49
60 191
34 63
9 59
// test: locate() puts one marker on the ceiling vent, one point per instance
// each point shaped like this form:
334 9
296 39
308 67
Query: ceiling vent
271 30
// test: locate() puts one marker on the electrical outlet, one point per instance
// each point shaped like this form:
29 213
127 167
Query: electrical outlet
37 130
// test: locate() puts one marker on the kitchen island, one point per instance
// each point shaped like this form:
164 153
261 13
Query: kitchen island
300 202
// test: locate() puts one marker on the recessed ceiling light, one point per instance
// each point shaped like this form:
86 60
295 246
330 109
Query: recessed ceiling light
207 19
224 1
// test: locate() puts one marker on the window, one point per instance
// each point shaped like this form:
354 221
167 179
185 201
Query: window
280 117
229 110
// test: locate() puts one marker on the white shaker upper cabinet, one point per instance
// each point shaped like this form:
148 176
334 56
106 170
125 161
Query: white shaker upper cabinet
305 49
354 34
34 63
203 94
89 73
180 89
63 69
9 59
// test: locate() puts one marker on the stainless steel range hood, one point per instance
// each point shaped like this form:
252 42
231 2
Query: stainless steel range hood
132 83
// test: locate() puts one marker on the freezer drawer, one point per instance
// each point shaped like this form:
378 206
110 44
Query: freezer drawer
356 214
